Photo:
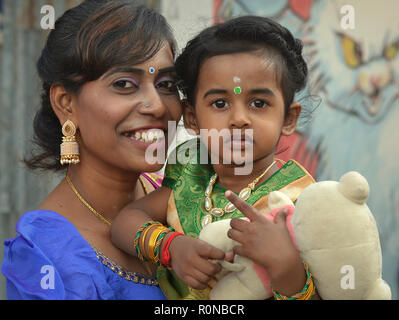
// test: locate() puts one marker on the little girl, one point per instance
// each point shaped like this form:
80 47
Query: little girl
242 76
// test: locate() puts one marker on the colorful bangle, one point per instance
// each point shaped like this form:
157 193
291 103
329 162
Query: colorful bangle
165 256
306 293
137 238
145 231
154 240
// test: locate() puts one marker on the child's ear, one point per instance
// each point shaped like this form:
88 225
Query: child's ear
291 119
62 103
190 119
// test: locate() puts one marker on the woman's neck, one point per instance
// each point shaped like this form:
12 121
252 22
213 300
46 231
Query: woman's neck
229 179
106 191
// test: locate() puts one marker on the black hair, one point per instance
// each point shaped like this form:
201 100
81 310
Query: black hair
88 40
245 34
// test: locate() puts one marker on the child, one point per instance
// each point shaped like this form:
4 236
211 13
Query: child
239 75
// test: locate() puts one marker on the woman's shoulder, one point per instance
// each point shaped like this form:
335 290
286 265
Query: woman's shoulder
49 259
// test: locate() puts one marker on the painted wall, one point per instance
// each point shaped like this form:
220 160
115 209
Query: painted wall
353 58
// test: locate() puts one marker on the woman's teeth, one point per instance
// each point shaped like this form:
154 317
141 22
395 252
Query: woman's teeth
149 136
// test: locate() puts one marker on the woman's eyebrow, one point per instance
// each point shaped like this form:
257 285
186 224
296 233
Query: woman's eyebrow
124 69
138 71
170 69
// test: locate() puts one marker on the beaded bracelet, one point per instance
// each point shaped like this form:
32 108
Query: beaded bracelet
306 293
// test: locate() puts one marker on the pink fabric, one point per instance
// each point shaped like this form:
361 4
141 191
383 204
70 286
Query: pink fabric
262 272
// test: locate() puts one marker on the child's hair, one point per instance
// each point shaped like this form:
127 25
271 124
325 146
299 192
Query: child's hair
245 34
87 41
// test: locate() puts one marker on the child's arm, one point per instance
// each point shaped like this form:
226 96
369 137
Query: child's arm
278 255
190 257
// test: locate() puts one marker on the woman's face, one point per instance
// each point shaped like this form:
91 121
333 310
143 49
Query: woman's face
116 112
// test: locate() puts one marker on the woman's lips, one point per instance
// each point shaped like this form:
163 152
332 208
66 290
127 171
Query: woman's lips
145 137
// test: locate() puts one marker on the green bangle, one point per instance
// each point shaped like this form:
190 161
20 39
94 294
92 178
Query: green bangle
137 238
299 295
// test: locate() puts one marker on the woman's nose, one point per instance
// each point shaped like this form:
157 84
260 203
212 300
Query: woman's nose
152 104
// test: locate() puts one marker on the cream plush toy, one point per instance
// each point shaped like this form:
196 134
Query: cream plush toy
335 233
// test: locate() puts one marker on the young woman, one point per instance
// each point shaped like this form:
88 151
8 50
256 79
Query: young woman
108 79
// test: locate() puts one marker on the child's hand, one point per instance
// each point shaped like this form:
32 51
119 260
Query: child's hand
268 244
190 260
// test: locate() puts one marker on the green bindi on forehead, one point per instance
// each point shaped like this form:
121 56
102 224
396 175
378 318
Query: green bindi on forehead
237 90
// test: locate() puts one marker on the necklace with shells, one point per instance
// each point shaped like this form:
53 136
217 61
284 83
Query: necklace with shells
229 207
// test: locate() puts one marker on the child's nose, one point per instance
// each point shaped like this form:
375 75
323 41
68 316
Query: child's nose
239 118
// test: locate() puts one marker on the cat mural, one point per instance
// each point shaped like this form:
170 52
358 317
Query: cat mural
354 69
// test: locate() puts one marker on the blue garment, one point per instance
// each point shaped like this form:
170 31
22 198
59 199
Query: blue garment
49 259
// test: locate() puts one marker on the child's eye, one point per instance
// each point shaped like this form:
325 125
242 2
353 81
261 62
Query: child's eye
258 103
220 104
124 84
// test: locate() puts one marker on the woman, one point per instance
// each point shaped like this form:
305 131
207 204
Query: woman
108 79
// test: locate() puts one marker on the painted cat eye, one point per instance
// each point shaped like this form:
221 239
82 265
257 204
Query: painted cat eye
352 52
391 51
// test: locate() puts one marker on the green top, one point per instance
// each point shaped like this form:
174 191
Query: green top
189 181
188 178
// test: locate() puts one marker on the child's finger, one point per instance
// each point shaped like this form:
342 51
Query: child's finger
194 283
236 235
208 267
239 224
210 252
247 210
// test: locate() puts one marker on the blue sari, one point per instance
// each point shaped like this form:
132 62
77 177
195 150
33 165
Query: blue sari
49 259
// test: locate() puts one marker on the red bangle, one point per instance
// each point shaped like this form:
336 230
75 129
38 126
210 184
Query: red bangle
165 255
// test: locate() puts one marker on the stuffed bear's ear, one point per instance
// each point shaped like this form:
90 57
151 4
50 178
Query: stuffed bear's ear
278 199
354 187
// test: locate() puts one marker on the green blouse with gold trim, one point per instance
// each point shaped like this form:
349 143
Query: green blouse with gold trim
188 180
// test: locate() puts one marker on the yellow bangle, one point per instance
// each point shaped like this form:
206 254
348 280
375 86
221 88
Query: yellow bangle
153 241
145 234
307 292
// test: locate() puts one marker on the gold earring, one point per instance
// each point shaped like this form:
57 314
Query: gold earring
69 146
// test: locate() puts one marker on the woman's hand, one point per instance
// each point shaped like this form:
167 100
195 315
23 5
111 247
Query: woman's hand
191 260
268 243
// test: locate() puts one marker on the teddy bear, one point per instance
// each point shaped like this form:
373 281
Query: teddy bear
335 234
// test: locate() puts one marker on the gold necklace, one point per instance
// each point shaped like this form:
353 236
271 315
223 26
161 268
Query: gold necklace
100 216
229 207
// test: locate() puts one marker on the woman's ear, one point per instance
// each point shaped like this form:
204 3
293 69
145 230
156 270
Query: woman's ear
62 103
190 119
291 119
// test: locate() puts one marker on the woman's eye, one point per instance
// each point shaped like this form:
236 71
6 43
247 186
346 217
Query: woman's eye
167 85
258 104
124 84
220 104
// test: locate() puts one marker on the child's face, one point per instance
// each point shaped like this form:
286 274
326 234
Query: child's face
257 104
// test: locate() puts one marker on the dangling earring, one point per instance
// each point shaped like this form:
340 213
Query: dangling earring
69 146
